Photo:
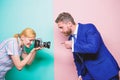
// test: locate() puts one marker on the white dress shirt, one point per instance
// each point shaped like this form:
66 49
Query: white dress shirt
75 33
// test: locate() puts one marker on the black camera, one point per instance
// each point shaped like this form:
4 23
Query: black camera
39 43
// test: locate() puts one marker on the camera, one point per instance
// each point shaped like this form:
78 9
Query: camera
39 43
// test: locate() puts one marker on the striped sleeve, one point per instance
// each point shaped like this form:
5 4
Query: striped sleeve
12 47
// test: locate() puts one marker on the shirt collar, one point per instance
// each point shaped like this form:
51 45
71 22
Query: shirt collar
76 30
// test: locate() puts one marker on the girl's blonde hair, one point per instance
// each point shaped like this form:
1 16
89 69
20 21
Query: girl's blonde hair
27 32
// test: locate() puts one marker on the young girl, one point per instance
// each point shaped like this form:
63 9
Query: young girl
12 48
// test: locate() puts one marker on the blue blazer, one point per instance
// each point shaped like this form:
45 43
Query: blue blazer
96 57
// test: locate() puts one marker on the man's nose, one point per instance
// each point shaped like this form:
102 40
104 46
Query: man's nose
61 30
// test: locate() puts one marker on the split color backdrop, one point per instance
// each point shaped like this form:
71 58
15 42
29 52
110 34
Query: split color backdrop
57 62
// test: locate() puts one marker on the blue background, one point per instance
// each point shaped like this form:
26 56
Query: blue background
16 15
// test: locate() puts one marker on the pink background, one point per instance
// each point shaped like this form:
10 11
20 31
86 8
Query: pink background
105 14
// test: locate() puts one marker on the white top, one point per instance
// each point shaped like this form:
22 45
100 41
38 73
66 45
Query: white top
75 33
8 47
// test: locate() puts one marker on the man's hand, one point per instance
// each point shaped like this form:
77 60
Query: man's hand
68 44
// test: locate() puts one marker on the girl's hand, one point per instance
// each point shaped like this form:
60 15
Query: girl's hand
35 49
38 48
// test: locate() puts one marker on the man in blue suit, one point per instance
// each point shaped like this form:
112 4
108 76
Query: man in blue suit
92 59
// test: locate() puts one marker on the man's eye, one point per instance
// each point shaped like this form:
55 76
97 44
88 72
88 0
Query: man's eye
60 27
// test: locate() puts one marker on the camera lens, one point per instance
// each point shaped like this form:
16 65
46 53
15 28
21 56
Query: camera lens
39 43
46 44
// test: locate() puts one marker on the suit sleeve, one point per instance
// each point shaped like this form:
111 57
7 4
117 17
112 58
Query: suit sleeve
78 64
92 43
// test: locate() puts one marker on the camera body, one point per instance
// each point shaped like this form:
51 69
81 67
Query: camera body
39 43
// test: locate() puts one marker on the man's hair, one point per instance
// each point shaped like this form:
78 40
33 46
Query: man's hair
65 17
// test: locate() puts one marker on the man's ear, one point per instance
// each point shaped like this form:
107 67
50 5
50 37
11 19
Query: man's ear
69 23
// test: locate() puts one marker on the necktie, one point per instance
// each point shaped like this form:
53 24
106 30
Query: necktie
74 37
71 36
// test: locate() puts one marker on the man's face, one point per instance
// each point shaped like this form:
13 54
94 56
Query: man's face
65 28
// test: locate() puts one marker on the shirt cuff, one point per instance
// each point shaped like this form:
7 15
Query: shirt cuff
79 76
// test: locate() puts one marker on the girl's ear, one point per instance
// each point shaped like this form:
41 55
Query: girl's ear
22 37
